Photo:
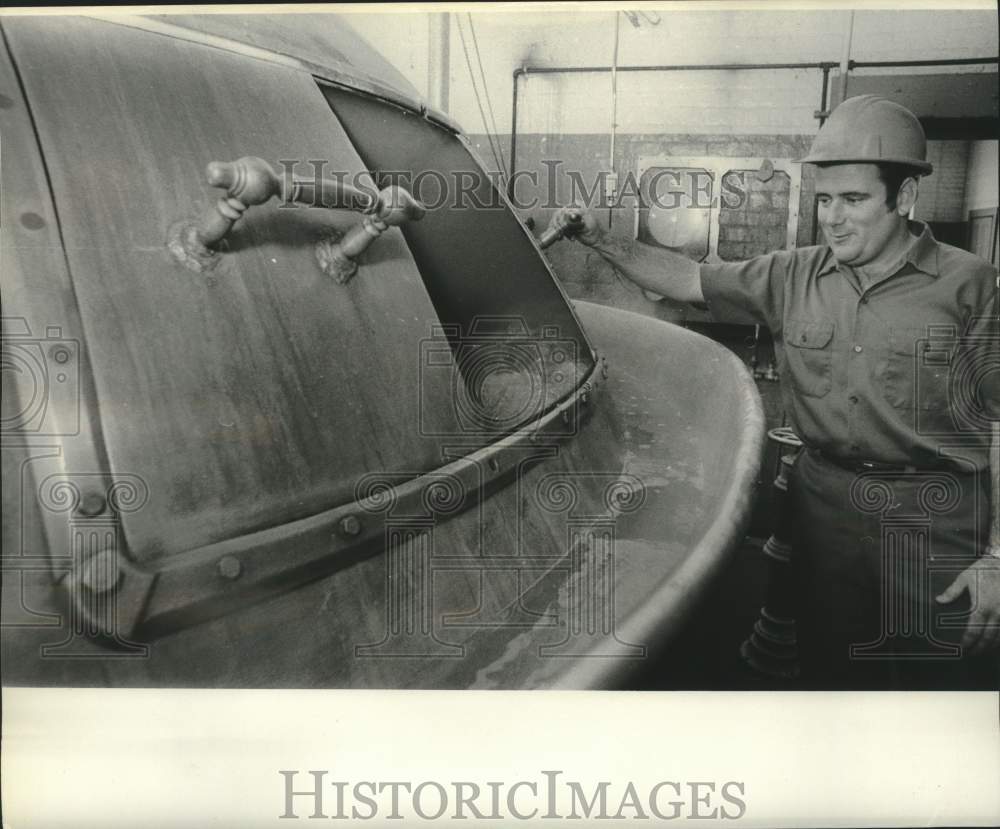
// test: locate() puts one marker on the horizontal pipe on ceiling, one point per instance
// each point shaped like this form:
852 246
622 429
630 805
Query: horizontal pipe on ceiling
674 67
865 64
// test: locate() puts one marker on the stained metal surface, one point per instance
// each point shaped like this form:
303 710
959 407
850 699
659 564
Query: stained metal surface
315 38
49 426
573 574
226 395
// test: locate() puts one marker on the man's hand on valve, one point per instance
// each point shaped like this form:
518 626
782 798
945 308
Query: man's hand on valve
576 223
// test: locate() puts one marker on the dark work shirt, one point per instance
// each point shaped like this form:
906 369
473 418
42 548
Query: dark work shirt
905 371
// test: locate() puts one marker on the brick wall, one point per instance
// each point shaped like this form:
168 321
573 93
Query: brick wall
759 224
942 194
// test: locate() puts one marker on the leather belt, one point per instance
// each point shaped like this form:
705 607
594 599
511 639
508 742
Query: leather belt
859 465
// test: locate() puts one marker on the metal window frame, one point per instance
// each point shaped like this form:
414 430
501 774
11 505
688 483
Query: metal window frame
984 213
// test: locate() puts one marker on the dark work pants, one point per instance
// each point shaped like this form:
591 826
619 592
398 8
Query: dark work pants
871 551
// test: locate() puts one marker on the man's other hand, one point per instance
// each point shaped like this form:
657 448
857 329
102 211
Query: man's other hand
982 580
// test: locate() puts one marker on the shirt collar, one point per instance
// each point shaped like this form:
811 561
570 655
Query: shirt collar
922 255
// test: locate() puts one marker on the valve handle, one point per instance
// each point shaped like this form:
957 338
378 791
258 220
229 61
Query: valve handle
395 206
251 180
552 235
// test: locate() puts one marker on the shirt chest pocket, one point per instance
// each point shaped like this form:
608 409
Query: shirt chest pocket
917 371
809 352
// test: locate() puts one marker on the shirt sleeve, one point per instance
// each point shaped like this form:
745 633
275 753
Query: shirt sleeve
747 293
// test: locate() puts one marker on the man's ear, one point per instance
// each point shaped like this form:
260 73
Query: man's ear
907 196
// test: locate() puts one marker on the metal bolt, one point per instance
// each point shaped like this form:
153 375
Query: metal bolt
100 572
350 525
230 567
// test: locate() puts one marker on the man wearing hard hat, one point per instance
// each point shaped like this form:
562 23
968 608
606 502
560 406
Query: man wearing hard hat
888 343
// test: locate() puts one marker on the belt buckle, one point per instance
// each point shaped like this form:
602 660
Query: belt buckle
887 468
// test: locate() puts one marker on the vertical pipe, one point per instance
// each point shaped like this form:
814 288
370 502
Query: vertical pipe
995 486
513 138
612 179
438 59
995 461
845 58
824 95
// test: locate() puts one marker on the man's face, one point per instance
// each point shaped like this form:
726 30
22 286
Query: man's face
853 214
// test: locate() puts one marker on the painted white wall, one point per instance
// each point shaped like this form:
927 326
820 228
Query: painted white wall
748 102
981 184
703 102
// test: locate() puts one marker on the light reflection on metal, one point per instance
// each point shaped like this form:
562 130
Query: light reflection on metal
589 609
